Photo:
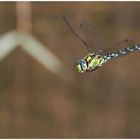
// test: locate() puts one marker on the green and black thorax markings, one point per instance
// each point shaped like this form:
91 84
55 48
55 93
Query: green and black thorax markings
97 55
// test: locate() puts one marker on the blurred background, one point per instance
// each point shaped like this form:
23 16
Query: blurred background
42 95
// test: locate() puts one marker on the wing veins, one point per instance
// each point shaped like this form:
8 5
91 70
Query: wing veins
76 34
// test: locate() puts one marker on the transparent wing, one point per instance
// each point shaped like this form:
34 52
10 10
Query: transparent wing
94 42
93 37
118 46
76 34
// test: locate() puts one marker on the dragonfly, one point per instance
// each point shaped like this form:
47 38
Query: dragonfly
98 52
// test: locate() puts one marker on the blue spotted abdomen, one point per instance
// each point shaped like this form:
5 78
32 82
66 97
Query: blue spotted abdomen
121 52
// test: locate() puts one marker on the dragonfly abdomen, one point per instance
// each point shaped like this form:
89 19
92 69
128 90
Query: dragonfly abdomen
121 52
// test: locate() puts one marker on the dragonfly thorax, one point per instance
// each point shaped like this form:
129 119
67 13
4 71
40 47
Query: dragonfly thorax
89 63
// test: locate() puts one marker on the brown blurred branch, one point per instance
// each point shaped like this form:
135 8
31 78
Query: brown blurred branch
23 10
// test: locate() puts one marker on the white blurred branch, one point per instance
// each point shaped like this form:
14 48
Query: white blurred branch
9 41
22 38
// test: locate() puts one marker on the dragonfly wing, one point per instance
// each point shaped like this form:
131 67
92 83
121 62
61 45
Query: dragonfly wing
120 45
93 37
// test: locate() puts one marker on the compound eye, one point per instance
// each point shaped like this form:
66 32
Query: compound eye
83 65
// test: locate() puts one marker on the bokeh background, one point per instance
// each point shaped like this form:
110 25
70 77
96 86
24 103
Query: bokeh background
36 102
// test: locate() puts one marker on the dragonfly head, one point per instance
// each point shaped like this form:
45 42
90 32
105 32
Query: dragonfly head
81 66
